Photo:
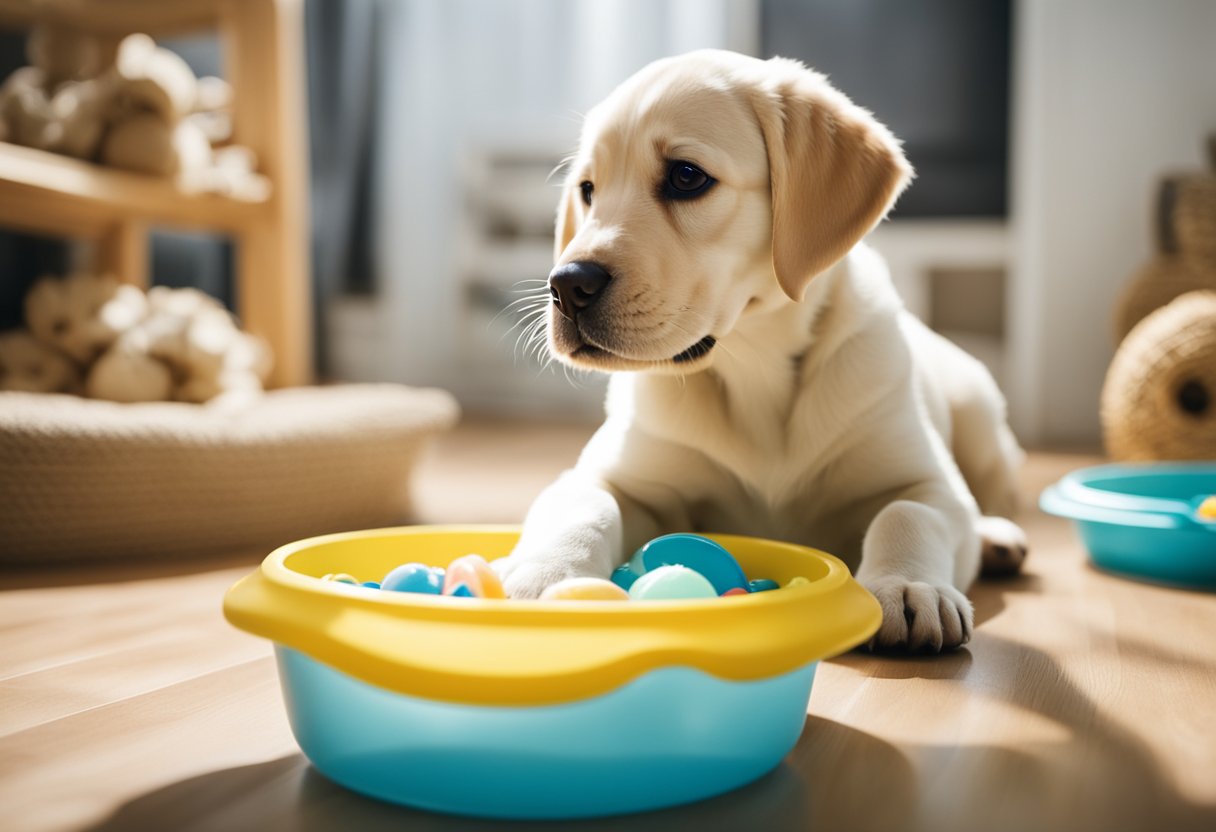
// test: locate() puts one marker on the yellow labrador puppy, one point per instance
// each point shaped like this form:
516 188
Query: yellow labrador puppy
767 380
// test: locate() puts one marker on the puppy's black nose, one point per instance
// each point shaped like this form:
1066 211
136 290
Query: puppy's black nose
575 286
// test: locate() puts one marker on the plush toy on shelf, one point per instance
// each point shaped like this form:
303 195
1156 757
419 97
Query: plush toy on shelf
60 101
167 345
128 104
64 54
152 91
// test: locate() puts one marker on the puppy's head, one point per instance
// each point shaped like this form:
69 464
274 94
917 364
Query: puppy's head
704 186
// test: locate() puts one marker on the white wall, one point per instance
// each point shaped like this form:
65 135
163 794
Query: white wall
461 74
1109 95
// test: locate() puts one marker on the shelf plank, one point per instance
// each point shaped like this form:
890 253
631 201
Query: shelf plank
52 194
156 17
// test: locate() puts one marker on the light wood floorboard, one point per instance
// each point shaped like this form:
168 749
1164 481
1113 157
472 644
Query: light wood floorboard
1084 702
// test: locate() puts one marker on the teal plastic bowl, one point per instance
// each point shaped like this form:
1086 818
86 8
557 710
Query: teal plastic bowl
1143 520
671 736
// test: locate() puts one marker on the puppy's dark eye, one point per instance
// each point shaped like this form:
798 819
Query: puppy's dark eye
587 189
685 181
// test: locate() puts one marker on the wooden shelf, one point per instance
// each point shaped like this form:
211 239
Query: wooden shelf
51 194
45 193
156 17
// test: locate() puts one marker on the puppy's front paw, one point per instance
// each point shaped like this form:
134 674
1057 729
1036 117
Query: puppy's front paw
920 617
529 577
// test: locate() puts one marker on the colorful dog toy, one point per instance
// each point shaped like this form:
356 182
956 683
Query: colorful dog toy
671 567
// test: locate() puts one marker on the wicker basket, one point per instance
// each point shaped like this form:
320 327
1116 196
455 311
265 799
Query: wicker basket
83 479
1186 250
1186 210
1160 281
1159 400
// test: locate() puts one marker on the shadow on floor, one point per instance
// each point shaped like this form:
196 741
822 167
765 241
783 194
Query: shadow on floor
288 793
1098 776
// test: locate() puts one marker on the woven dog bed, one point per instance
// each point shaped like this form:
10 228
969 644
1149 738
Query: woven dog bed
1159 399
83 479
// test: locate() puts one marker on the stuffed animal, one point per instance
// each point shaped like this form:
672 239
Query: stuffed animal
148 78
29 365
152 90
25 107
170 344
71 121
213 109
82 314
188 348
57 102
129 104
64 54
210 354
232 172
128 373
164 121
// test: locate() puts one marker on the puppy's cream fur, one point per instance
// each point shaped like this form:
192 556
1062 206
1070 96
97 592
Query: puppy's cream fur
825 414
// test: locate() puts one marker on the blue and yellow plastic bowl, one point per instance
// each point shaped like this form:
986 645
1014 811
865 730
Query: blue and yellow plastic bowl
1143 520
542 709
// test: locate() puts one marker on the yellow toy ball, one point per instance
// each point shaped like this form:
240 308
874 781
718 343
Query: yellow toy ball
1207 509
584 589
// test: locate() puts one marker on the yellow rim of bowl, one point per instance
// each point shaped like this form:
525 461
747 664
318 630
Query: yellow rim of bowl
507 652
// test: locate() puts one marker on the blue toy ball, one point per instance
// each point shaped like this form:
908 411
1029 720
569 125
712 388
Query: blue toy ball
414 577
697 553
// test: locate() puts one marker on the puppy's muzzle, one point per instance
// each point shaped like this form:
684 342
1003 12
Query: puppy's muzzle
576 286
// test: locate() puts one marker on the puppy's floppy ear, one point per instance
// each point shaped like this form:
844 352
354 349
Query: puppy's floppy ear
567 218
834 171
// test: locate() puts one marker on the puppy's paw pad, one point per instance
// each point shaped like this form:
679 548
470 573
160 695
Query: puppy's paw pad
920 617
1003 546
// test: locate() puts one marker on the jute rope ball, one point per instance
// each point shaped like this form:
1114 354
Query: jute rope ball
1159 400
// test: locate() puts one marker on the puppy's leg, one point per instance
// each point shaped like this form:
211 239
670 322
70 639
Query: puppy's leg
576 528
909 558
985 449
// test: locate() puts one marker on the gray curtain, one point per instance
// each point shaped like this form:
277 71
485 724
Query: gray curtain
342 86
22 257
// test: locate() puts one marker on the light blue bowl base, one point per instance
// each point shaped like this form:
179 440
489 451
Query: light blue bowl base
671 736
1177 558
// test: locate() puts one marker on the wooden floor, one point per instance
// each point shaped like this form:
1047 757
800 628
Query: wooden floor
1084 702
